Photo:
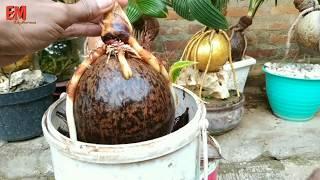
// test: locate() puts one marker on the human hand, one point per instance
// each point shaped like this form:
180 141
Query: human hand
53 21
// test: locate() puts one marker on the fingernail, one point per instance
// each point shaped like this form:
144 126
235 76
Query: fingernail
104 3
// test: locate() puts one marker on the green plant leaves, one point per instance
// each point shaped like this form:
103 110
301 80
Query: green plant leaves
176 68
181 7
204 12
133 12
138 8
254 6
155 8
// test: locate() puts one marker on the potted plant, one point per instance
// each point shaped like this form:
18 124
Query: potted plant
201 11
209 50
148 29
25 94
242 63
225 107
293 88
60 59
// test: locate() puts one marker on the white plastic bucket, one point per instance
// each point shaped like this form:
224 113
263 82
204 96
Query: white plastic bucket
242 69
175 156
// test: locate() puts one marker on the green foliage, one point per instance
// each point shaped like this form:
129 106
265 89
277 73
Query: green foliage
137 8
203 11
254 6
207 12
181 7
60 59
133 12
176 68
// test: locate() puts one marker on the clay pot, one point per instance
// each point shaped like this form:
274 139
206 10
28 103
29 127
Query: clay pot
225 116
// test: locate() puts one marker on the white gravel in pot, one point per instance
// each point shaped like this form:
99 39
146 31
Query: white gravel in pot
294 70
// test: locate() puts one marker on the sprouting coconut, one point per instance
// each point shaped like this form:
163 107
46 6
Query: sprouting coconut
238 39
210 49
146 30
306 28
236 32
121 93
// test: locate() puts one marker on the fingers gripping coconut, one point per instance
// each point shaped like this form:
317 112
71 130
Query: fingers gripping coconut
121 93
306 27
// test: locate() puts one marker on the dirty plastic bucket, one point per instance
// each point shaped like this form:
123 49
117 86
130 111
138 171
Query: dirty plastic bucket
242 69
174 156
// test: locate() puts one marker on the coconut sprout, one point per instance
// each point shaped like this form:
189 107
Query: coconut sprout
238 39
210 49
121 93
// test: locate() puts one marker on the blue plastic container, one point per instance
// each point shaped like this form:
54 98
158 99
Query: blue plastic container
293 99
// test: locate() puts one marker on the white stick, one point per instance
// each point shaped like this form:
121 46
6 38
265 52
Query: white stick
70 119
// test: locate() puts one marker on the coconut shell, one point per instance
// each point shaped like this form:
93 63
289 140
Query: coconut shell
109 109
307 33
302 5
219 53
238 45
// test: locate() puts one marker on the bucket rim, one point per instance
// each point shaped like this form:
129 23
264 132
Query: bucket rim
114 154
233 106
246 61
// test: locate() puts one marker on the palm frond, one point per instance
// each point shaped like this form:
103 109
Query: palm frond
181 7
133 12
206 13
154 8
254 6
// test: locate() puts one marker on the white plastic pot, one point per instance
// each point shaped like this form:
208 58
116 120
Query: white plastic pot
242 69
171 157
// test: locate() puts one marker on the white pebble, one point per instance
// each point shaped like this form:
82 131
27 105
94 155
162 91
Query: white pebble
294 70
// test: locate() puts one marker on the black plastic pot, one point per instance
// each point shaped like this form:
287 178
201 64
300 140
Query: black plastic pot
21 112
